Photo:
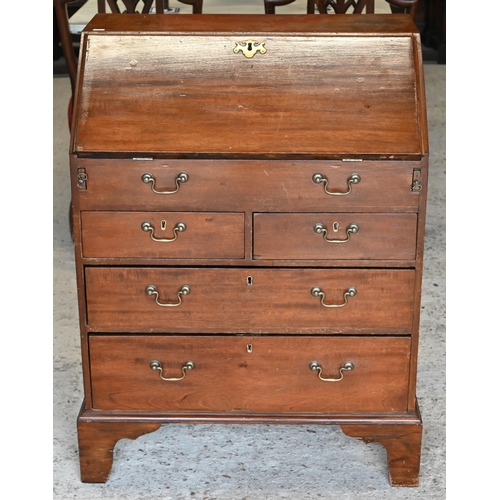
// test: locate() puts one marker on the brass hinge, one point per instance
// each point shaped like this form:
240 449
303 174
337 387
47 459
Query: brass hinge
82 179
416 185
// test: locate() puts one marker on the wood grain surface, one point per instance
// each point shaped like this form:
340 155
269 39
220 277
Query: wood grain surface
292 236
207 235
257 186
223 301
189 94
273 377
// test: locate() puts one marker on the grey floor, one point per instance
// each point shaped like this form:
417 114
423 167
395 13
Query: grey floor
253 462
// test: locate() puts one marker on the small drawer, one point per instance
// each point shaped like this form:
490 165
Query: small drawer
335 236
249 374
252 300
247 186
163 235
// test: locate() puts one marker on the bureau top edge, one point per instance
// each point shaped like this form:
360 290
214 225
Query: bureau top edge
148 155
285 24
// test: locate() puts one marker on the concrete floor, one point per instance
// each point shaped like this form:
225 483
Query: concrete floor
253 462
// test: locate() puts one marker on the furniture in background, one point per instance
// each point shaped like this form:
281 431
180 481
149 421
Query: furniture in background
433 27
249 246
61 13
131 6
404 7
336 6
347 6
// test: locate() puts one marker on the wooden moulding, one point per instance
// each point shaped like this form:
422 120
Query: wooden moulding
98 433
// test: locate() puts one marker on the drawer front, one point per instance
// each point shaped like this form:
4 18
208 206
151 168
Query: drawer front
259 186
249 374
179 235
249 300
335 236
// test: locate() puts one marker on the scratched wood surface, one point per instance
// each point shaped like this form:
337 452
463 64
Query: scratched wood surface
190 94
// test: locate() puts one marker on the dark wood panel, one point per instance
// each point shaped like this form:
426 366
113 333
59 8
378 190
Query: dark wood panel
191 94
273 377
205 235
225 301
256 23
252 186
358 236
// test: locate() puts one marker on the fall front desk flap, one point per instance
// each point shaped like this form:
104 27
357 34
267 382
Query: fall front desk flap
304 86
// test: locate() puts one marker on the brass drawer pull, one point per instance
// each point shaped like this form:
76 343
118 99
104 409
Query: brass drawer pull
180 227
181 178
351 229
346 367
156 366
353 179
317 292
185 290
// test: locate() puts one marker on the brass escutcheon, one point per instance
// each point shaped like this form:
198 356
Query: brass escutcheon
249 48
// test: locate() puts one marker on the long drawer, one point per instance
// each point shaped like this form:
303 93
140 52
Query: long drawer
222 300
249 374
246 185
334 236
184 235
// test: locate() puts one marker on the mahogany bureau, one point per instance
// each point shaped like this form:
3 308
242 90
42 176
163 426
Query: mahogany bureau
249 201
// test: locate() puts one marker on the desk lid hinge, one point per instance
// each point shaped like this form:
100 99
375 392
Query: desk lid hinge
416 185
82 179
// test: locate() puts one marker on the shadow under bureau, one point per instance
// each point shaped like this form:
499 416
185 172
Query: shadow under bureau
248 197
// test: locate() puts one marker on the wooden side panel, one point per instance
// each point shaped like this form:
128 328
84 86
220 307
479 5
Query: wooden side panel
249 300
273 377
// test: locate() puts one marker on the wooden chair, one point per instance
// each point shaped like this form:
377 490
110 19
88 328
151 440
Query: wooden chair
404 7
68 50
130 6
338 6
343 6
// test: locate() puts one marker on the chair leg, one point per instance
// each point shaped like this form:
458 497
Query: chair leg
197 5
270 5
269 8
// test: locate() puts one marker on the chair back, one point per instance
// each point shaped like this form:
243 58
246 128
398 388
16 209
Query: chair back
129 6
